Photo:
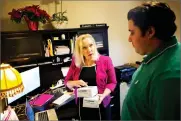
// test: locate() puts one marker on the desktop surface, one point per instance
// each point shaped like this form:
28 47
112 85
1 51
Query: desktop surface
67 111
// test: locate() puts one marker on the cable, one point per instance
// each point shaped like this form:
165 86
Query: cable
79 109
100 113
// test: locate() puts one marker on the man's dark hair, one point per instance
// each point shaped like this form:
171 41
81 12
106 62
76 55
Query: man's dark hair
155 14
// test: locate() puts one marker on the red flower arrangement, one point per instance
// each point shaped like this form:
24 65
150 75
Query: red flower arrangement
29 13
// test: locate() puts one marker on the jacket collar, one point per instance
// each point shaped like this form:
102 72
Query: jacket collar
167 45
98 61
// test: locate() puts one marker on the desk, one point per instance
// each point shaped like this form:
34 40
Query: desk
65 111
56 106
68 111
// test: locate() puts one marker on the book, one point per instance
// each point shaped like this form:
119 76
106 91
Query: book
41 100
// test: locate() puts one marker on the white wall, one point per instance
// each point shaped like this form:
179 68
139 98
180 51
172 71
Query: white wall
114 13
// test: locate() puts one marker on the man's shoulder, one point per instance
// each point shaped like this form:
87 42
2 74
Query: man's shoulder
167 72
167 66
169 60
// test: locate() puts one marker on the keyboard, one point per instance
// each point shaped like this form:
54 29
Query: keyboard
43 116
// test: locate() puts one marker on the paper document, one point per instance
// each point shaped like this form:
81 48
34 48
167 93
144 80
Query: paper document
65 70
62 99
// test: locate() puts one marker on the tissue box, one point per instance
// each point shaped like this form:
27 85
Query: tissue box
88 91
92 102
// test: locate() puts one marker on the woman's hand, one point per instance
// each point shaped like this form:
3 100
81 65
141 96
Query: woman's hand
101 97
77 83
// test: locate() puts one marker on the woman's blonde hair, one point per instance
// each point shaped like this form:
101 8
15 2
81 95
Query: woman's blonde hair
79 58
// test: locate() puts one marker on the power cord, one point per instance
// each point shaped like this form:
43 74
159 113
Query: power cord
20 110
99 113
79 110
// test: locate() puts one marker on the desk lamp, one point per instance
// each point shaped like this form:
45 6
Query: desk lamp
10 84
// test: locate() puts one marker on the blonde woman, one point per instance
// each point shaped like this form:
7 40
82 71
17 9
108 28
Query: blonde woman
89 68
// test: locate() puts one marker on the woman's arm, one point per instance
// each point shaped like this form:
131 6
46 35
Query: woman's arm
105 93
69 82
69 75
111 80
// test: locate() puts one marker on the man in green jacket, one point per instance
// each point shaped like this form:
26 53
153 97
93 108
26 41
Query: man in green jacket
154 92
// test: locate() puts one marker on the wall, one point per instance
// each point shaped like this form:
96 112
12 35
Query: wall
114 13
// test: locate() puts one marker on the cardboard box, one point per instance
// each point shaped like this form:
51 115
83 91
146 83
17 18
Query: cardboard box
89 91
91 102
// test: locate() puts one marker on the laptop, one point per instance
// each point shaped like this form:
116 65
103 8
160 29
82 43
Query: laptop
47 115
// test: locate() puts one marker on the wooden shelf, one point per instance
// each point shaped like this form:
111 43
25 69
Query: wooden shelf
99 34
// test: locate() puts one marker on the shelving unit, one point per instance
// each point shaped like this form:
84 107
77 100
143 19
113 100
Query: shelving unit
36 42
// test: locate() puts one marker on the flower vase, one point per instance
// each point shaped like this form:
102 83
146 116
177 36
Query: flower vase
32 25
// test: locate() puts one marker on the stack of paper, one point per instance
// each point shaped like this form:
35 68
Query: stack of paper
62 99
61 50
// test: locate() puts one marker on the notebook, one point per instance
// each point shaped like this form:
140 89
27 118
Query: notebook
41 100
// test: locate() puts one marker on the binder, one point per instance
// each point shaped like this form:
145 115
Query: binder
41 100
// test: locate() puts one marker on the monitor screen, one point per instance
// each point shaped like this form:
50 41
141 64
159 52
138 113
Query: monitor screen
31 81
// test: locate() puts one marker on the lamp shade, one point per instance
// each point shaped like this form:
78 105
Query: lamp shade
11 82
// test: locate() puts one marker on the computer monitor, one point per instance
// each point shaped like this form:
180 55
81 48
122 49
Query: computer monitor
31 81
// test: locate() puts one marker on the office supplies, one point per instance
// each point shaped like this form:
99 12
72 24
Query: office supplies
91 102
41 100
47 115
57 92
64 71
58 84
62 99
88 91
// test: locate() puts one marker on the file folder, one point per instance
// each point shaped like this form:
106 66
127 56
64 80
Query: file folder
41 100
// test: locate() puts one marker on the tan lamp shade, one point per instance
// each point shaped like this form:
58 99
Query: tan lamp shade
11 82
